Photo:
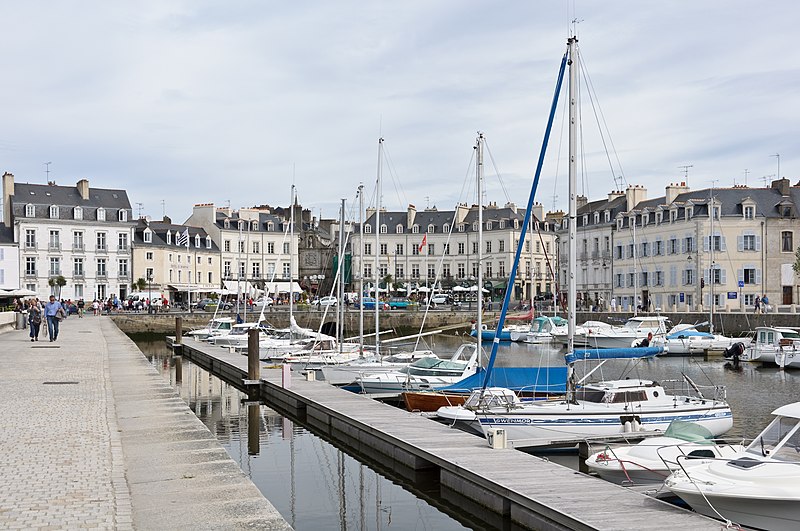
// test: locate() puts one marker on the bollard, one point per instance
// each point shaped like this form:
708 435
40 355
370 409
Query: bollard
178 330
286 376
253 363
584 451
178 369
253 427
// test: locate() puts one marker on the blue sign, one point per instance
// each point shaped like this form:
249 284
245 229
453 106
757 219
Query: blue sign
682 297
732 294
741 283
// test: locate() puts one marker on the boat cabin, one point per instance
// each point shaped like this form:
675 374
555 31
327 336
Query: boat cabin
777 337
620 392
780 440
654 324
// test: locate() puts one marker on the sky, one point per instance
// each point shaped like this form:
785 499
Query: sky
186 102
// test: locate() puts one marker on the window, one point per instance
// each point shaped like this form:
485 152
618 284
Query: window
270 226
196 241
749 275
77 241
446 228
748 242
242 270
474 247
367 229
488 247
226 224
101 241
658 248
53 212
384 249
399 271
30 266
254 225
147 236
122 242
688 277
226 269
30 211
55 241
502 246
414 229
101 214
431 249
208 242
367 270
101 267
414 270
256 247
398 229
461 248
689 241
501 266
367 248
398 249
123 215
77 213
286 247
287 272
446 249
256 270
270 247
488 270
210 277
122 265
30 239
786 242
226 246
461 270
384 229
55 266
241 247
431 228
148 255
169 237
749 212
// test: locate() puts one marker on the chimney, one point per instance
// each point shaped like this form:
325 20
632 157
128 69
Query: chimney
8 192
635 194
581 201
538 211
781 185
614 194
167 220
461 212
412 213
512 206
83 189
673 190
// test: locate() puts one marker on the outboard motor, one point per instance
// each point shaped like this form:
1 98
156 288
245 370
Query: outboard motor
734 353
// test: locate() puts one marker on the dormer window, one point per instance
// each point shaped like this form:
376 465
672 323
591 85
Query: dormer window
254 225
475 227
502 223
147 236
30 211
716 211
585 220
123 215
596 218
53 212
398 229
462 227
101 214
608 216
516 223
270 226
197 241
384 228
77 213
659 217
632 221
645 219
446 228
226 223
208 242
619 223
673 216
414 229
367 229
749 212
241 225
488 225
431 228
169 237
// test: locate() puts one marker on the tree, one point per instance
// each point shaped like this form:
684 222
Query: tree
796 264
57 283
140 284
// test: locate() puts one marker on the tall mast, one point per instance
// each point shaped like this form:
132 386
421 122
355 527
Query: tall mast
378 247
479 293
711 269
573 204
291 262
635 271
361 273
340 285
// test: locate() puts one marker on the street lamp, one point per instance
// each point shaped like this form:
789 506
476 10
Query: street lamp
149 292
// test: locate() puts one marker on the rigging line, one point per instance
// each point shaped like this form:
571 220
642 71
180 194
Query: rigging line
602 123
497 173
394 178
553 276
582 151
563 121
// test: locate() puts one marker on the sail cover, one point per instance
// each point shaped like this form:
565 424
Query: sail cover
529 379
612 353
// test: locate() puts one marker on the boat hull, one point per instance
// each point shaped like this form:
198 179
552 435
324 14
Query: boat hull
761 513
432 401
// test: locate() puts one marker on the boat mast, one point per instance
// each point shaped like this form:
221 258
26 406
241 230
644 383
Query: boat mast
340 285
361 273
711 269
635 270
572 212
479 292
378 247
291 263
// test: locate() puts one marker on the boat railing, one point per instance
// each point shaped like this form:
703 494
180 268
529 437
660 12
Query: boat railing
688 388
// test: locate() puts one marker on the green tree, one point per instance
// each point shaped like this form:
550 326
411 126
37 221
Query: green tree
140 284
57 283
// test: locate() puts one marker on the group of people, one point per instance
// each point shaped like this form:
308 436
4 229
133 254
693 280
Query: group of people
52 312
761 304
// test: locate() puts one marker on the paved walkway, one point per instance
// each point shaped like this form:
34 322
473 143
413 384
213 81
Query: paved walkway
93 437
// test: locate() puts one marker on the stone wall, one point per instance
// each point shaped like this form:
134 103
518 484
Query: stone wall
8 321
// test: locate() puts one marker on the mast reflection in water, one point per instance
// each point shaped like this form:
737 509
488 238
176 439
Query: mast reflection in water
313 484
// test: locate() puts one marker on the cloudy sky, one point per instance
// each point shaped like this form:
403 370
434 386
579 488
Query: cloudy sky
206 101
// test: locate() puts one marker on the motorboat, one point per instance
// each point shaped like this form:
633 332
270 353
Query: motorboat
561 335
348 373
488 334
633 331
775 346
652 460
426 373
238 336
463 416
687 340
607 408
543 328
218 326
758 487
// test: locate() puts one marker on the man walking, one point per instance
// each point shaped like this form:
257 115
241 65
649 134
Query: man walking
51 313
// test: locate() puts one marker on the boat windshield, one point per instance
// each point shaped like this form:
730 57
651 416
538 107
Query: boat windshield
587 394
435 366
689 431
221 325
773 437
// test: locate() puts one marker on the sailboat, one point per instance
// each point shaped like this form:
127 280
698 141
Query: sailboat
605 408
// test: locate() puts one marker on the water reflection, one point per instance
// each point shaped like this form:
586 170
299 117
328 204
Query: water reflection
313 483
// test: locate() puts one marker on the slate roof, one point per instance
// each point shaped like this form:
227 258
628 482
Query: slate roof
263 219
6 234
160 230
440 218
42 196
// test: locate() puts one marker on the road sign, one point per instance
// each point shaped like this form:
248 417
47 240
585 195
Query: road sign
741 283
732 295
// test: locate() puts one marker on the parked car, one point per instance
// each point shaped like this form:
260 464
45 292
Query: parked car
441 298
325 301
211 303
369 304
398 303
262 302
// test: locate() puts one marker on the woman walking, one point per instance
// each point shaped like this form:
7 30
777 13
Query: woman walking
35 320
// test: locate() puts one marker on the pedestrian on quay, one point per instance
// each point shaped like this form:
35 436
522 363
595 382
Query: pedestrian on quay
34 319
81 305
757 305
53 312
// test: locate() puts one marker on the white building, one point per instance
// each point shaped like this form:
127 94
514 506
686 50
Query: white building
9 259
79 233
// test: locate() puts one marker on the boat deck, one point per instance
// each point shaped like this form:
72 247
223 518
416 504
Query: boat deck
530 491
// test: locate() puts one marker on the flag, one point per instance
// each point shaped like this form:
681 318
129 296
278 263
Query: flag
424 242
183 238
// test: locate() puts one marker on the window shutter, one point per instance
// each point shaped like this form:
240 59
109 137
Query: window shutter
740 243
683 277
722 276
722 246
758 276
758 243
706 243
740 274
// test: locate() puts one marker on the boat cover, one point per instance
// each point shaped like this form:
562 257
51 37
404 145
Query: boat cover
530 379
612 353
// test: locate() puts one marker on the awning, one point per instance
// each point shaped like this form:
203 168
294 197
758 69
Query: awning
194 288
282 287
20 292
242 287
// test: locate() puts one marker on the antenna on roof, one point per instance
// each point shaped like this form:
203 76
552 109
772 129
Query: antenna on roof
778 156
555 198
685 169
766 179
746 171
139 208
163 209
47 170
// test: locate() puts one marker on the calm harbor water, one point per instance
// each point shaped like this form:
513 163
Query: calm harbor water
316 485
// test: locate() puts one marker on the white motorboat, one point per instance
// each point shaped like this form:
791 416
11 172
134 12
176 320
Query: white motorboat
652 460
238 336
349 373
633 331
426 373
543 328
561 335
759 487
686 340
606 408
775 345
219 326
463 416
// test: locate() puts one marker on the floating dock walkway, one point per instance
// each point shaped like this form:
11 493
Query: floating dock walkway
532 492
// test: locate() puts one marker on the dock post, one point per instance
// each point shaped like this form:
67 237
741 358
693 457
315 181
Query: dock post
253 363
583 455
178 369
253 427
178 330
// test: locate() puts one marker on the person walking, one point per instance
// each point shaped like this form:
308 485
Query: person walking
51 312
80 305
34 319
757 305
765 304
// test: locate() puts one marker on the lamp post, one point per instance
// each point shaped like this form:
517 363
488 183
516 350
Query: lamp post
149 292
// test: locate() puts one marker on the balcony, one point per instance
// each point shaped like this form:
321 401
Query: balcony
78 248
54 273
102 275
122 275
78 275
123 249
30 274
54 247
30 246
102 249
